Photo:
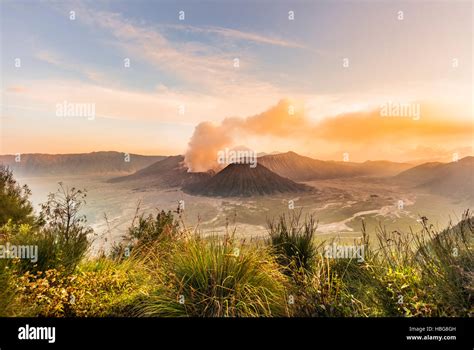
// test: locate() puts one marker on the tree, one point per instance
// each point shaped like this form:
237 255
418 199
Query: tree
14 200
61 221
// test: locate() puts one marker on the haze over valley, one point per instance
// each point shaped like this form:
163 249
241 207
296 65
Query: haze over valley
340 194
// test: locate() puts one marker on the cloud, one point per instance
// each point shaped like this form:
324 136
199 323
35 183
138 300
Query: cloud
366 135
204 67
162 104
55 59
49 57
210 138
237 35
216 90
198 62
369 127
17 89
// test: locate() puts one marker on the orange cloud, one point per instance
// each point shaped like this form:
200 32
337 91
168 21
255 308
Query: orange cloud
368 134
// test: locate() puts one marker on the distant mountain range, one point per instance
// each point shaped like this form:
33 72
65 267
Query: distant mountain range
95 163
275 173
241 180
300 168
455 179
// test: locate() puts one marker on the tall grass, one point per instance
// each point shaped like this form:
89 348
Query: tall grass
293 240
216 278
421 273
446 260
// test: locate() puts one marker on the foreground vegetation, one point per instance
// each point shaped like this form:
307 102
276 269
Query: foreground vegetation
164 269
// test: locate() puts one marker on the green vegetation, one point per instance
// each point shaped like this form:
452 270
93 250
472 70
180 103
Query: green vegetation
146 231
293 241
14 203
163 269
210 277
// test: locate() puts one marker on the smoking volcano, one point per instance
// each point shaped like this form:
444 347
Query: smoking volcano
242 180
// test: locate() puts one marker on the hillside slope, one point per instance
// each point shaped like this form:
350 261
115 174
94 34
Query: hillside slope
455 179
301 168
169 172
240 180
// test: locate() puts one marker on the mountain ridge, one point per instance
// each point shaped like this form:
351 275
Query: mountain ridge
93 163
301 168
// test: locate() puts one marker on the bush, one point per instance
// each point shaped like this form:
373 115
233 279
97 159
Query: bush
25 235
149 229
62 238
427 273
145 232
7 289
100 288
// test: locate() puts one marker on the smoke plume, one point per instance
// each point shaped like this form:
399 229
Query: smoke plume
283 120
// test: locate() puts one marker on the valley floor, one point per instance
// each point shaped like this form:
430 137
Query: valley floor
338 204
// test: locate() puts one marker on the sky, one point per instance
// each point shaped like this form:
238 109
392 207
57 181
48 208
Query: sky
233 69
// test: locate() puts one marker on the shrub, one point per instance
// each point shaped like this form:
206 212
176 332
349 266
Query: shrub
99 288
7 289
149 229
427 273
25 235
62 238
145 231
405 293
